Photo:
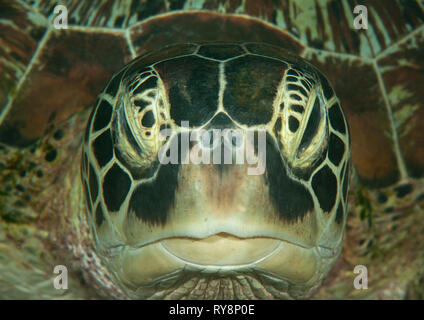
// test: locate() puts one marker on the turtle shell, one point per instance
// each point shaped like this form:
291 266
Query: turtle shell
51 74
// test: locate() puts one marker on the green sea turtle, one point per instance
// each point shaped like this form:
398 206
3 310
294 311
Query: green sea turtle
89 193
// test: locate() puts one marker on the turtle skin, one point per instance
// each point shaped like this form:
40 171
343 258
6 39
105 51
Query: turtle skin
376 74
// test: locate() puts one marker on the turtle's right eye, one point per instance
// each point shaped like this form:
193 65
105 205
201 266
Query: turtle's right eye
144 97
141 112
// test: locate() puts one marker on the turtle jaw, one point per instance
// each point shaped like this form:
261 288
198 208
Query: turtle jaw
291 270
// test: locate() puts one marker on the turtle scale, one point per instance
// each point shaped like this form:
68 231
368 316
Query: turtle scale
388 47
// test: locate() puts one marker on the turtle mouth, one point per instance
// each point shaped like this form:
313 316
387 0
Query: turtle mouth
219 255
222 250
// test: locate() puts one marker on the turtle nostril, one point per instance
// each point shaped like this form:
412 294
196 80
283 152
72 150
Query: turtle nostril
215 138
233 139
236 138
206 140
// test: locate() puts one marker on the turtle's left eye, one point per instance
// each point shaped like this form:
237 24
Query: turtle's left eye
303 127
314 133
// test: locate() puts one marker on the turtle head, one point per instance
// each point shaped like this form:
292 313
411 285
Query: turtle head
217 166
